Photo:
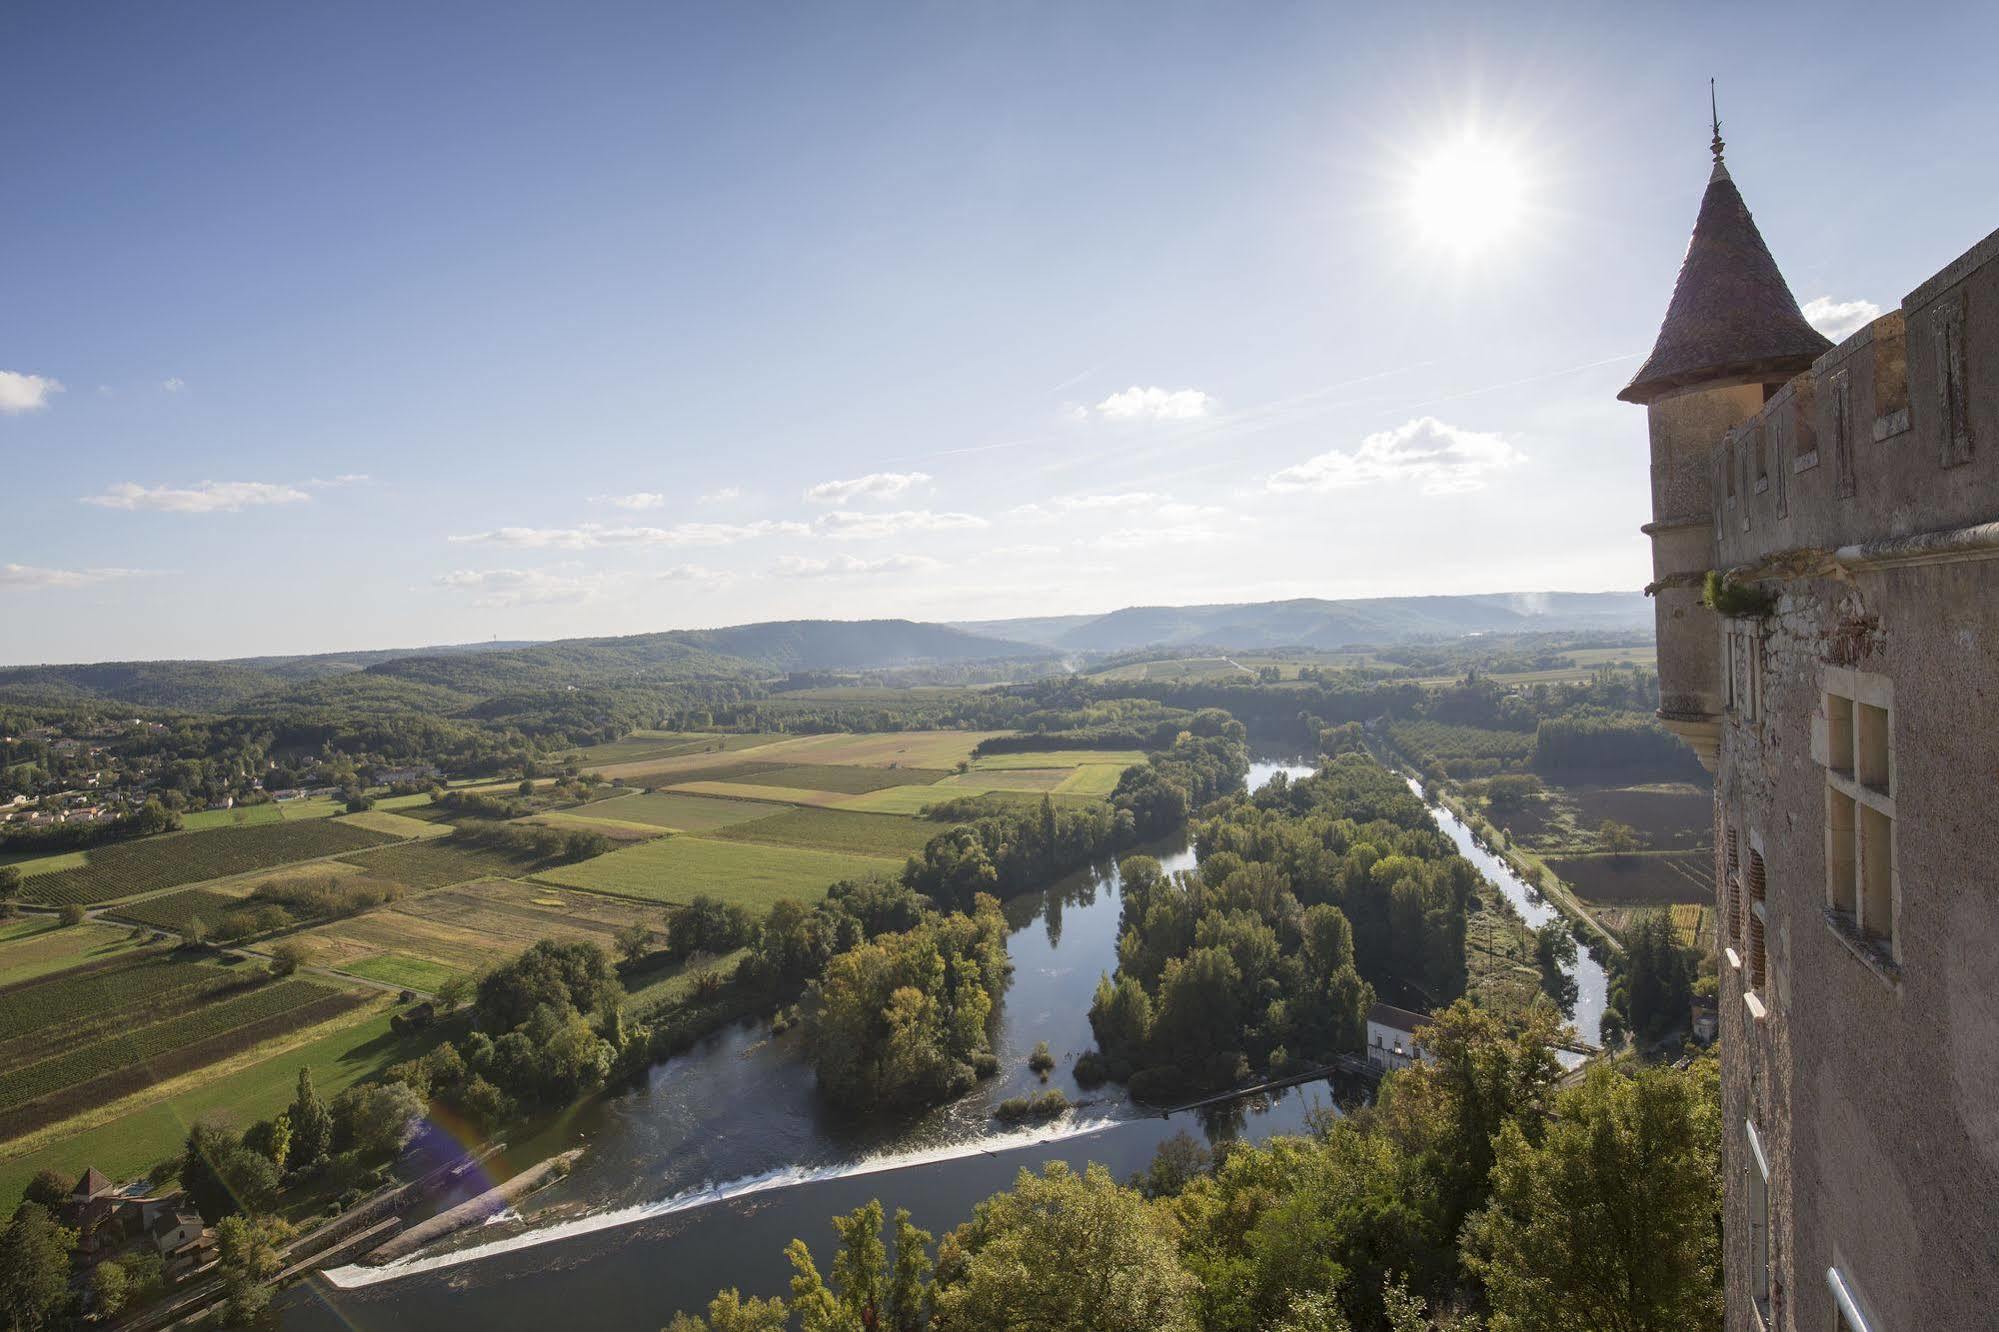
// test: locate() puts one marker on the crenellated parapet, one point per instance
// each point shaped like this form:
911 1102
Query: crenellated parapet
1890 438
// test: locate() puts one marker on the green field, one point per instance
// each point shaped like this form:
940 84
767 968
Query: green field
1095 779
49 864
140 1048
438 864
678 869
125 868
847 779
130 1143
394 825
243 816
177 911
685 813
37 946
412 973
907 800
1057 758
837 830
779 795
661 986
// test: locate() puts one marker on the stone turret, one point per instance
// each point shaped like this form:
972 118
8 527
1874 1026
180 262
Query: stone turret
1732 336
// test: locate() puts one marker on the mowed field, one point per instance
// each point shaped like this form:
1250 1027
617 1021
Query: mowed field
675 870
36 945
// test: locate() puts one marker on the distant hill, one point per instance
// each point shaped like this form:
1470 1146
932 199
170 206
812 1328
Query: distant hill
1315 623
445 678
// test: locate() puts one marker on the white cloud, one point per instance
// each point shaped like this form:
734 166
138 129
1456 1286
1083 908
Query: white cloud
1028 551
846 525
1164 534
638 499
201 497
691 573
723 496
594 536
344 479
25 393
1156 404
27 575
1442 458
495 588
173 384
850 566
873 486
1839 319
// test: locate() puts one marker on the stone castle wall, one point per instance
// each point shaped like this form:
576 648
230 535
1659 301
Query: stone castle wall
1864 495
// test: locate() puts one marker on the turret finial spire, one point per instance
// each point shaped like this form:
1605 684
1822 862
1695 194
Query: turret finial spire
1715 145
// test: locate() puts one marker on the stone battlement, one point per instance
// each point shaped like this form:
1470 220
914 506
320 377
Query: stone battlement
1892 434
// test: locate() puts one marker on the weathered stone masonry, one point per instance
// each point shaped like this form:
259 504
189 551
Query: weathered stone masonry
1850 714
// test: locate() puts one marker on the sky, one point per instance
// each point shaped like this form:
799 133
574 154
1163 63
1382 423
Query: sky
368 325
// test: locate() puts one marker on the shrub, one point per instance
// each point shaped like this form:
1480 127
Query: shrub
72 914
1041 1061
1724 596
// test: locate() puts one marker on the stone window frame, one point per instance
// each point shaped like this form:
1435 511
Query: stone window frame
1853 741
1849 1310
1742 653
1762 1227
1947 357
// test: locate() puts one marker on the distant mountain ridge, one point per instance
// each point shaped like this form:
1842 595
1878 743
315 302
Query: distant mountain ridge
1312 622
448 676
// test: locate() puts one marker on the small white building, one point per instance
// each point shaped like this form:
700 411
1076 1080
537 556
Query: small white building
1391 1036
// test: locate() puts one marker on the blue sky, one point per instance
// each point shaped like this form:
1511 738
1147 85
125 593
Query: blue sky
367 325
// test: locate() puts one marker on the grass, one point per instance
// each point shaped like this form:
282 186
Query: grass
38 946
908 749
49 864
126 1137
1057 758
618 830
779 795
243 816
685 813
410 973
125 868
317 807
1006 779
839 830
470 927
395 825
677 869
846 778
908 800
658 987
439 863
1094 779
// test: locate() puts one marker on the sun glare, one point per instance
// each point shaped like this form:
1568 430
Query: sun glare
1467 194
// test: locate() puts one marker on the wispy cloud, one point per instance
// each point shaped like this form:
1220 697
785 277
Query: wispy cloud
723 496
21 392
638 499
594 536
173 383
1441 458
344 479
1156 404
1161 534
525 587
846 525
850 566
29 576
691 573
201 497
873 486
1840 319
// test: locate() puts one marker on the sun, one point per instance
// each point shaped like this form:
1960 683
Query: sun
1468 194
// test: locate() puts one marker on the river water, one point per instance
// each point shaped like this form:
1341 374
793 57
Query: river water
698 1180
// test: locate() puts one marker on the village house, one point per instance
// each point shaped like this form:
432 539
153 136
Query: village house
110 1221
1391 1036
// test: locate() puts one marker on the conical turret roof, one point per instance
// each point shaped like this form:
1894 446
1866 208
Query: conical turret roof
1733 318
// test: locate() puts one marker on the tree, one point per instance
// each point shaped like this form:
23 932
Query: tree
249 1252
1655 980
34 1269
222 1176
109 1289
72 913
1063 1252
10 888
1620 839
1611 1222
271 1138
311 1124
375 1119
635 941
287 956
49 1188
455 990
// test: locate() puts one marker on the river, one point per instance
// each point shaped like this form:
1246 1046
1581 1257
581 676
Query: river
699 1179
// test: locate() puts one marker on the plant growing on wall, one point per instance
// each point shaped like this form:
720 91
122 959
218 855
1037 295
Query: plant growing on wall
1725 596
